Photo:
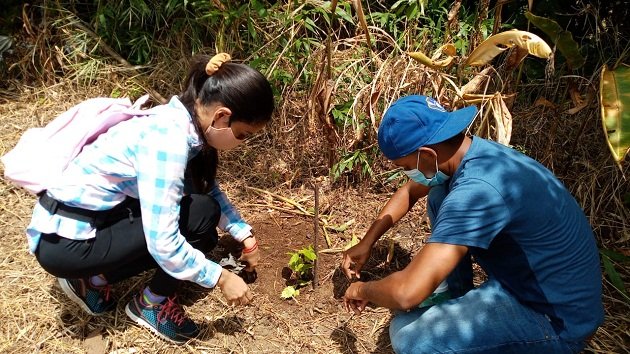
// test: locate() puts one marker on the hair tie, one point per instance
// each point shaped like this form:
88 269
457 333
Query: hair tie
215 63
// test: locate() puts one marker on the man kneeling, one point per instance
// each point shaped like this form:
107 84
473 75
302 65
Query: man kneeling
485 200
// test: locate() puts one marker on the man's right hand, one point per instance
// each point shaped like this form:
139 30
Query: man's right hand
234 289
354 258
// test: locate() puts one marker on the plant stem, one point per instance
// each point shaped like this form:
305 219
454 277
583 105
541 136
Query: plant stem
316 233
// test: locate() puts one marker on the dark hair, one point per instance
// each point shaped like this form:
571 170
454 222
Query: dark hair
242 89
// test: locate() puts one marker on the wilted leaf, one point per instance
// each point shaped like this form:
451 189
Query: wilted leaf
289 292
447 49
341 228
543 102
579 102
354 241
504 121
359 9
500 42
561 38
478 82
95 343
434 64
390 252
615 100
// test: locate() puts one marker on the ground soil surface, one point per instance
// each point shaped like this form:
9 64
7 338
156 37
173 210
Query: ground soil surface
41 319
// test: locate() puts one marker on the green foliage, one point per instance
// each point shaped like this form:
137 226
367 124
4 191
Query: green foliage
350 161
615 107
302 261
301 264
289 292
561 38
609 259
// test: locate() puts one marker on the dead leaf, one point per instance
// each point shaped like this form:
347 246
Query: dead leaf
477 83
95 343
543 102
500 42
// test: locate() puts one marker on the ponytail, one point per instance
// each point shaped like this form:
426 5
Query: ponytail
242 89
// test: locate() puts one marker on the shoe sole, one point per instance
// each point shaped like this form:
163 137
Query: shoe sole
141 322
67 289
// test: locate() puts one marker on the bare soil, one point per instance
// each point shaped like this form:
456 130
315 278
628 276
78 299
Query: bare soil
39 318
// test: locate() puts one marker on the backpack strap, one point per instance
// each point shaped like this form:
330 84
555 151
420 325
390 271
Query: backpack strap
128 208
54 206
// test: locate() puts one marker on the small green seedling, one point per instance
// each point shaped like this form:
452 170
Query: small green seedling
301 264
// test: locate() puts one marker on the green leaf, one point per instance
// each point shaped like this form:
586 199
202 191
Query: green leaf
309 253
289 292
615 105
561 38
615 256
295 261
614 277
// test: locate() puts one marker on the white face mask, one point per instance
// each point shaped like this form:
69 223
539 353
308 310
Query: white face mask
221 138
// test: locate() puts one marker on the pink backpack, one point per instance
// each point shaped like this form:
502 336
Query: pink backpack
42 154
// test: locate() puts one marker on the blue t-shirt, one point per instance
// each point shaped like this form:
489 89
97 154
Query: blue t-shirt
526 230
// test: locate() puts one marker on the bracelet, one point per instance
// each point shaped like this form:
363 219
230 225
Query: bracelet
250 249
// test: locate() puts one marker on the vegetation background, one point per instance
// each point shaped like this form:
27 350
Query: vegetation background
334 74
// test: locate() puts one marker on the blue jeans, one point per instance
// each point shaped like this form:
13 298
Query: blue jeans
488 319
485 320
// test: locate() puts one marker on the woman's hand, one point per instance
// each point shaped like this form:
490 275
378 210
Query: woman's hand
250 254
234 289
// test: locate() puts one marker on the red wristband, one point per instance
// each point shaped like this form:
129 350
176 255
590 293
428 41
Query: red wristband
250 249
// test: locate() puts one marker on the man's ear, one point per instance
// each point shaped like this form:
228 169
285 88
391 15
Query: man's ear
427 152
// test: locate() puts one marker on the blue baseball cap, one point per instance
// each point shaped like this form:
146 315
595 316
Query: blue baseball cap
415 121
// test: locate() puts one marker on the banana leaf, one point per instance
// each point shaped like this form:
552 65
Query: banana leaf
615 106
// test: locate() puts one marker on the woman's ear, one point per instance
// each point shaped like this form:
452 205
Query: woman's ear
222 117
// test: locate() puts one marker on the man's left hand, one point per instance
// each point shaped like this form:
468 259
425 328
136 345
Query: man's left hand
352 299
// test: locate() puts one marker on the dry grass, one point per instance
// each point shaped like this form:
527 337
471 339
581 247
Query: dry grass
294 150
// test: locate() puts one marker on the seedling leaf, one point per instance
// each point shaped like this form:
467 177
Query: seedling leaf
289 292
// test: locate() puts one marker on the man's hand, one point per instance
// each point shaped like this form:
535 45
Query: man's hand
354 259
251 254
234 289
352 300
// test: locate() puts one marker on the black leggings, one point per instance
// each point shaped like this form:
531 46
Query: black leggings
119 250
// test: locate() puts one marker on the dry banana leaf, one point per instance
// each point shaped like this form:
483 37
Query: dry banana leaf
500 42
447 49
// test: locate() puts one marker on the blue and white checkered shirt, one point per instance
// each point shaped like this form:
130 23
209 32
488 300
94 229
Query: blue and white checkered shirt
143 158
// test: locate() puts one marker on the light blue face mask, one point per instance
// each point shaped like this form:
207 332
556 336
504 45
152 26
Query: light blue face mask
419 177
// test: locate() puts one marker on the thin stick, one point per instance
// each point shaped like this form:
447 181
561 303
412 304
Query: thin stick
316 233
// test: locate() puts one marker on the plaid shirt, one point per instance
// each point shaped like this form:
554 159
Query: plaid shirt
144 158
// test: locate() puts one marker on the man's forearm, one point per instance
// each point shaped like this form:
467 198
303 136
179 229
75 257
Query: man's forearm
389 292
398 205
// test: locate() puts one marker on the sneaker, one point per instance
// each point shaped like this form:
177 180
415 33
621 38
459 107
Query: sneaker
168 319
95 300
